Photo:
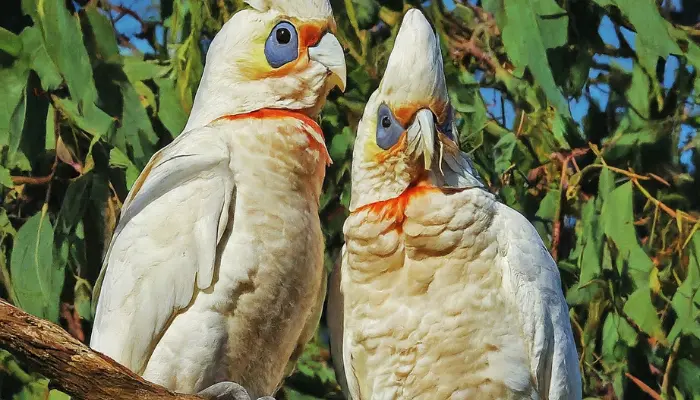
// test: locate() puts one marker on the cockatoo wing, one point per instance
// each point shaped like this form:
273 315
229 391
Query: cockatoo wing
335 317
164 248
532 284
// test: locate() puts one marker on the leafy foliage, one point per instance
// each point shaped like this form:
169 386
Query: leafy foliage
581 114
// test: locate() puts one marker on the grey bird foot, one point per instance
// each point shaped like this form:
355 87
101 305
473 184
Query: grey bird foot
228 391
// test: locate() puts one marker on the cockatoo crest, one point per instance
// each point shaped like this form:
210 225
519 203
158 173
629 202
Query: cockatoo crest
408 124
312 9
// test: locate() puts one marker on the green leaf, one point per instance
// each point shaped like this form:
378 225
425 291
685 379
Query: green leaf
138 70
118 159
688 377
618 336
38 57
686 300
552 21
504 152
64 43
582 293
366 12
292 394
103 41
73 205
341 144
590 264
639 92
135 136
93 120
83 298
522 36
606 183
146 95
50 136
653 37
36 280
34 390
467 100
5 225
10 43
57 395
640 308
12 111
618 216
5 178
170 110
549 205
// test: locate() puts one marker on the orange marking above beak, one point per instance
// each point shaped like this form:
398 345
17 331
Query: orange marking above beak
405 113
309 35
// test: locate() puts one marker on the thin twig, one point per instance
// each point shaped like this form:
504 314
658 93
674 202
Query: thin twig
669 367
645 388
470 47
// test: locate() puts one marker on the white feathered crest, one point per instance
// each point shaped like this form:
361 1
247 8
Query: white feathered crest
316 9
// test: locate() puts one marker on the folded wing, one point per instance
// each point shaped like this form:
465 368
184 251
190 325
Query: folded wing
164 248
531 282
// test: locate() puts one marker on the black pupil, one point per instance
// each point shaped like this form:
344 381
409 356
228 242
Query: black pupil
386 122
283 36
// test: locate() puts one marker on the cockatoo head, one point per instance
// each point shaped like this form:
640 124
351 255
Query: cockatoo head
407 134
277 54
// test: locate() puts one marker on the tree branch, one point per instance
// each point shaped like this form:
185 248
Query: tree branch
71 366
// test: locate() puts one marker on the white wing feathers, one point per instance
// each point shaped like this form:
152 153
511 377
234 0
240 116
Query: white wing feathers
531 277
335 317
165 245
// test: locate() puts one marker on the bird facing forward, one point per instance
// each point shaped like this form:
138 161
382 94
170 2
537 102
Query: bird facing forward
443 292
215 270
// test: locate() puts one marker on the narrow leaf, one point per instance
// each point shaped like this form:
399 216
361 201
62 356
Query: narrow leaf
640 308
522 36
37 282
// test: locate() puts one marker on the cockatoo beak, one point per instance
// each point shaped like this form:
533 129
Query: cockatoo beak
330 53
421 137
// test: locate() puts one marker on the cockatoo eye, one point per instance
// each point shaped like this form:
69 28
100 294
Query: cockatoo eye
282 46
389 130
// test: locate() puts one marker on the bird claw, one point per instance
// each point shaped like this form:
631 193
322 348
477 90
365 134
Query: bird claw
227 391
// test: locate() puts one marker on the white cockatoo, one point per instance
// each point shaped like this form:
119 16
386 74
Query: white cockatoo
443 292
215 270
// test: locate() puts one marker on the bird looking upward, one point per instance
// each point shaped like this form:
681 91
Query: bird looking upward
442 291
215 271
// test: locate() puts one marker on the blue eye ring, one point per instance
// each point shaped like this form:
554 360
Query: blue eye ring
389 130
282 45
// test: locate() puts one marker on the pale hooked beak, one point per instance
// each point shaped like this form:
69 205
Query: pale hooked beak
421 136
330 53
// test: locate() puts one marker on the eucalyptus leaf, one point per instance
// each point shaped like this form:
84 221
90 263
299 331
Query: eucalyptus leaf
522 36
37 282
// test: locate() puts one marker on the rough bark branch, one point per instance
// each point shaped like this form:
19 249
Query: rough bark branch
71 366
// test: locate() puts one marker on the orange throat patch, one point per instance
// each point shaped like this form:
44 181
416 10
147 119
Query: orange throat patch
272 113
395 209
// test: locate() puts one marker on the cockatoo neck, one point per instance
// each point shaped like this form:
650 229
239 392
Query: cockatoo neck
311 128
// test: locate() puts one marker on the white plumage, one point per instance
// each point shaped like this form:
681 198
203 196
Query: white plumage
215 270
443 292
